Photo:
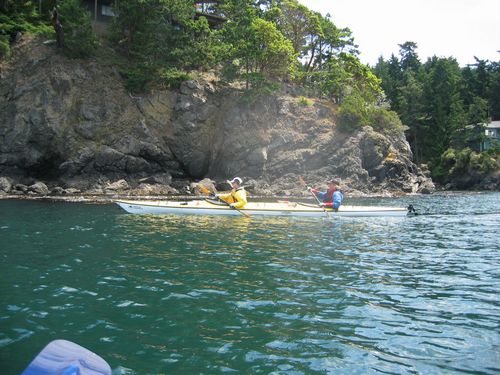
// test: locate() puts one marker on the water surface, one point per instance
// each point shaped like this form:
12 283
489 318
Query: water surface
211 295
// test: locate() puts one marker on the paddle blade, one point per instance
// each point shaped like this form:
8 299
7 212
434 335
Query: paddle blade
204 190
302 182
244 213
67 358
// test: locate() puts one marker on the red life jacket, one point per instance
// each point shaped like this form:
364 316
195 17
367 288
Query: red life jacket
327 196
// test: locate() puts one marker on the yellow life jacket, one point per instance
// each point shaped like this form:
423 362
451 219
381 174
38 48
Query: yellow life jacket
238 196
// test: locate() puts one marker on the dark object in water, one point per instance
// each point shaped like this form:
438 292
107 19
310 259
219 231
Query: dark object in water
411 210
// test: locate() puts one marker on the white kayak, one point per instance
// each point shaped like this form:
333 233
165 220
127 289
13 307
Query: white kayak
280 208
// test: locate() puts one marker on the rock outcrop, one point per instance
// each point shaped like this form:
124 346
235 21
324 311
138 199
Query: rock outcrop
71 124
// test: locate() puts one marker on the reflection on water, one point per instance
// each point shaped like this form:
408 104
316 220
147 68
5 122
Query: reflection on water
201 294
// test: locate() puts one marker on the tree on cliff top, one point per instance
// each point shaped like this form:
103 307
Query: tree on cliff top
258 47
159 36
33 17
79 38
262 41
20 17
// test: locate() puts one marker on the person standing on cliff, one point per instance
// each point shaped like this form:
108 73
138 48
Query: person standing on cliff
237 198
54 19
332 197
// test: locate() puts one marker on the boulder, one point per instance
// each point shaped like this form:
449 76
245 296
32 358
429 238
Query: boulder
58 190
161 179
20 188
39 188
204 187
118 185
5 184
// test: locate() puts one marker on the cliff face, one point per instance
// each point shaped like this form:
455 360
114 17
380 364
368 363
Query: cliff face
70 123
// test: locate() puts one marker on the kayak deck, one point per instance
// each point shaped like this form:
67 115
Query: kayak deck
208 207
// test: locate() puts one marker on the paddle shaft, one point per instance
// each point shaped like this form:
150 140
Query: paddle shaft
315 197
237 209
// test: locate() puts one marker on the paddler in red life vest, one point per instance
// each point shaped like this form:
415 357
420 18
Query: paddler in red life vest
332 198
237 198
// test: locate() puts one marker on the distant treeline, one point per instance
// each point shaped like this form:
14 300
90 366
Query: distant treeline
443 105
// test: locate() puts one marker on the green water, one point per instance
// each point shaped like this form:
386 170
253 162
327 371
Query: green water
212 295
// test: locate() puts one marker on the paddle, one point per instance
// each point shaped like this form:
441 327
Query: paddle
301 180
204 190
229 204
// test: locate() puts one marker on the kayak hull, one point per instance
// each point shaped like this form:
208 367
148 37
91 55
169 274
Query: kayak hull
206 207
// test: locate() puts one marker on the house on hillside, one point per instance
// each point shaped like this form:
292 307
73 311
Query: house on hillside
102 13
206 9
481 136
492 135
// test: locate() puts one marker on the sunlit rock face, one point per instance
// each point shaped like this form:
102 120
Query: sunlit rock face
71 123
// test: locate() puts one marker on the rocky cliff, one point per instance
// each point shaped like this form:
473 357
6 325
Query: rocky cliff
71 125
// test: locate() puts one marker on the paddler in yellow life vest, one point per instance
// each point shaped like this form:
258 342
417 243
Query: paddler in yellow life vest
237 198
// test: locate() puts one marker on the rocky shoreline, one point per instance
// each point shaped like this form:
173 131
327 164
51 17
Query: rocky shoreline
106 199
122 190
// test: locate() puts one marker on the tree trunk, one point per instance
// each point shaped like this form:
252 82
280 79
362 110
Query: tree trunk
57 28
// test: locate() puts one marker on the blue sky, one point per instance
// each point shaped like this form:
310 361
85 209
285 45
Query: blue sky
459 28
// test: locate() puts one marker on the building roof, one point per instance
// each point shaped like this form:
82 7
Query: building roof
493 125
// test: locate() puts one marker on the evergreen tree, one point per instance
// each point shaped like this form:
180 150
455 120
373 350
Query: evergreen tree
297 22
161 36
21 16
239 36
412 110
79 38
391 75
409 57
274 53
494 94
443 105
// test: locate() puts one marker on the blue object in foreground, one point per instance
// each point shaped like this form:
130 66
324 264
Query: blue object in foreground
64 357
